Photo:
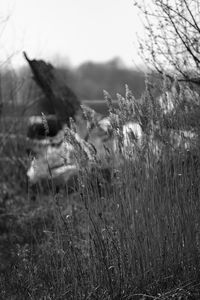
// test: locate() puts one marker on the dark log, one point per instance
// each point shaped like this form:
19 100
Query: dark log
61 97
37 130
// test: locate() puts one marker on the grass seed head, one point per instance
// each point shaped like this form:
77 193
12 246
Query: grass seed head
45 123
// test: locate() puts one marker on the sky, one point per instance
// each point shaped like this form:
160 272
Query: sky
69 31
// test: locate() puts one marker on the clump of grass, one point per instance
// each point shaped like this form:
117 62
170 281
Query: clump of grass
130 231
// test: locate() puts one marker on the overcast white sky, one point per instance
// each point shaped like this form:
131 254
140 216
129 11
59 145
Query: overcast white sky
69 30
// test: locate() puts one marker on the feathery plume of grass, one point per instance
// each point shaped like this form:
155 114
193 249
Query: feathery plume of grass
45 123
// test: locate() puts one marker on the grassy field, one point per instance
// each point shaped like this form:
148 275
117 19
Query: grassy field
134 236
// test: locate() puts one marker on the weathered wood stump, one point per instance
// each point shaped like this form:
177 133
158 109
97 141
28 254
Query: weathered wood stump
64 101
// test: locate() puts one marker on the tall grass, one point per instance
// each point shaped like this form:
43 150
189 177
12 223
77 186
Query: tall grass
131 233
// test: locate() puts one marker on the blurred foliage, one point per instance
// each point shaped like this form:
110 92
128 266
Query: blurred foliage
88 81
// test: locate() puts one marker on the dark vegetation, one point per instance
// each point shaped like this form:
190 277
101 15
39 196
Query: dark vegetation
134 236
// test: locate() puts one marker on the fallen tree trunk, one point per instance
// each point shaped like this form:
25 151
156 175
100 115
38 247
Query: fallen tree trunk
61 97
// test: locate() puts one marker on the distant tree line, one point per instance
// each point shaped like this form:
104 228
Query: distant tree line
88 81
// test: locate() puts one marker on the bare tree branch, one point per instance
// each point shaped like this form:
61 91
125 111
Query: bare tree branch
172 42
